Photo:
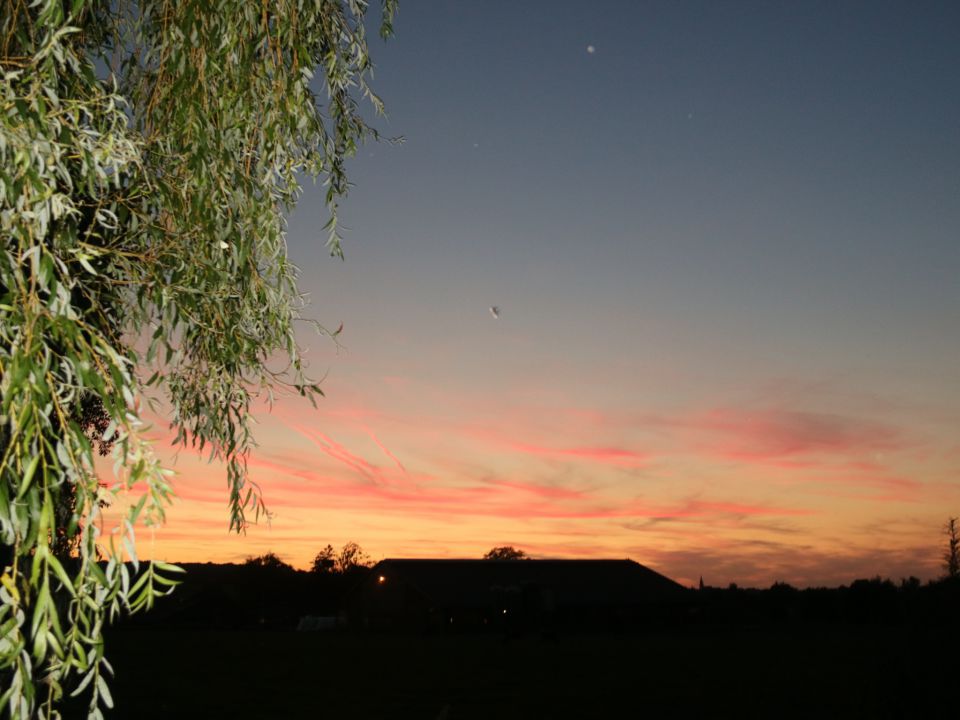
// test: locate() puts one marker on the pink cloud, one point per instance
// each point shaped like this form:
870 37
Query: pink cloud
875 488
761 562
396 381
604 455
340 453
792 439
290 482
558 493
385 450
496 498
696 508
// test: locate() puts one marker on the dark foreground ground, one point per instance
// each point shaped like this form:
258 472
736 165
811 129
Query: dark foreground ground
795 672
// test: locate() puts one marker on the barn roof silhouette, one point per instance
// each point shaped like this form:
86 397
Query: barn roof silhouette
466 583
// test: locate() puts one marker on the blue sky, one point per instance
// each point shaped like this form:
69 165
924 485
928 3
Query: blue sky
724 244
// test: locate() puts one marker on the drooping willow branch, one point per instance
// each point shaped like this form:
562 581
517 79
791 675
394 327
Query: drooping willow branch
148 152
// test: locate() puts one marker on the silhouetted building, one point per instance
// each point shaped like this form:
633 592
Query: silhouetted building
512 595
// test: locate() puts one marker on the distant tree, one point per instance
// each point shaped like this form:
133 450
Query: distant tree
506 552
951 556
351 557
910 584
325 561
269 561
92 418
330 562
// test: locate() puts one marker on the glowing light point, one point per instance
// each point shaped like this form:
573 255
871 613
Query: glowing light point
382 579
591 49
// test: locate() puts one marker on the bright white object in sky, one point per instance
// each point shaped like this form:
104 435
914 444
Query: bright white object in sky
591 49
495 311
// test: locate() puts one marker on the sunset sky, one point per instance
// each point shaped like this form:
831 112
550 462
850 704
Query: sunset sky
724 239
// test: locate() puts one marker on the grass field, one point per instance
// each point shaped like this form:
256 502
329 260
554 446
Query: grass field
799 672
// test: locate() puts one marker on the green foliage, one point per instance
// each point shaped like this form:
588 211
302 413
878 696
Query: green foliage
148 152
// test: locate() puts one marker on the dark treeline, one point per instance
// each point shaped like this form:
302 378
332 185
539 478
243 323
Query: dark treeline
269 594
263 592
249 595
865 601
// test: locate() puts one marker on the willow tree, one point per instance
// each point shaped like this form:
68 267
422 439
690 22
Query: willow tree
149 151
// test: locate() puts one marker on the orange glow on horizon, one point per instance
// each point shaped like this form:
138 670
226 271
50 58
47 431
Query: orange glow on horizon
708 494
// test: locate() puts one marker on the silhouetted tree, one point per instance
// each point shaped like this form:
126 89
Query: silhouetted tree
351 557
505 552
93 419
269 561
910 584
330 562
951 556
325 561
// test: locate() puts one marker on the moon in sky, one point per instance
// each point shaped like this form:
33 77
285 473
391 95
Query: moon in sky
495 311
591 49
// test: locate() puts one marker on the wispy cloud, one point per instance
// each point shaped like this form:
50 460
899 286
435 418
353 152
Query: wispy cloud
548 491
747 492
603 455
785 438
385 450
424 495
340 453
753 562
